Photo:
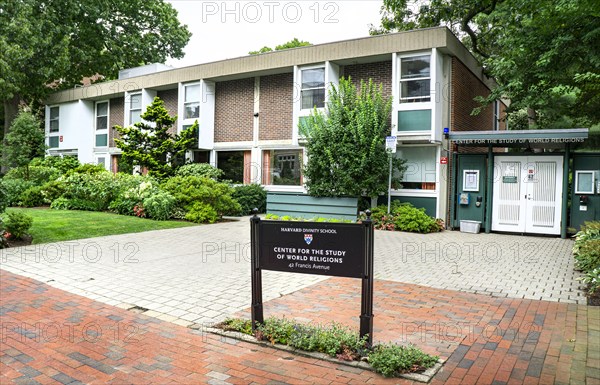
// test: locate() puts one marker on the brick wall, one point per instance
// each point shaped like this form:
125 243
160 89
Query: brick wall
170 98
380 72
465 87
276 107
116 111
234 110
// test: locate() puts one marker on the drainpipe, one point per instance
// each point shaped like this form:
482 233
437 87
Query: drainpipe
565 192
488 193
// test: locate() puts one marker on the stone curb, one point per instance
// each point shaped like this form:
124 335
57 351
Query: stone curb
425 376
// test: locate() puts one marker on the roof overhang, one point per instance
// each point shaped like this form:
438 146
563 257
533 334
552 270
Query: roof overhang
556 138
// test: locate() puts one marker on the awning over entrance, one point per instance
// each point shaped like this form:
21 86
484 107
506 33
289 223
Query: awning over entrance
520 138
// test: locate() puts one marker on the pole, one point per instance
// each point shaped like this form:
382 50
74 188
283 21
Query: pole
366 307
390 185
256 306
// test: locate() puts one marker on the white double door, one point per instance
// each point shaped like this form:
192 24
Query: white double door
527 194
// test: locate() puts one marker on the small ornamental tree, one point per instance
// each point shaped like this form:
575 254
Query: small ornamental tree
150 145
24 141
346 145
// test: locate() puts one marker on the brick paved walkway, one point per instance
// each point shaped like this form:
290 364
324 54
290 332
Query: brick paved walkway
53 337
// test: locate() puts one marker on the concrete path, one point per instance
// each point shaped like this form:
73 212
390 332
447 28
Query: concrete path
202 274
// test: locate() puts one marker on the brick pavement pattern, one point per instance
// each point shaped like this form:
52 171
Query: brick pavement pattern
50 336
484 340
53 337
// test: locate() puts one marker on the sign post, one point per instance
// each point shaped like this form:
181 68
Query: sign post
390 148
322 248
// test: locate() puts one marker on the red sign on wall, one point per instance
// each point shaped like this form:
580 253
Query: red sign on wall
444 160
60 138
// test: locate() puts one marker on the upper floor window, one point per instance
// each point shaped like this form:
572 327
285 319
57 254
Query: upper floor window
54 117
191 105
101 115
415 79
135 108
313 88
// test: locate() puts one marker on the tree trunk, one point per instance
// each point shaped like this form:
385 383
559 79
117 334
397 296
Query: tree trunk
531 117
11 109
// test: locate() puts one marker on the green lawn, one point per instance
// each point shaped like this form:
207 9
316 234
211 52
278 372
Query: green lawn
64 225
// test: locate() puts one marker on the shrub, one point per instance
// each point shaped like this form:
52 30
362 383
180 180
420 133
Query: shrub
38 175
159 206
3 199
61 204
203 170
200 212
13 188
17 223
592 280
32 197
53 190
404 217
91 191
409 218
250 196
390 359
62 163
204 199
587 255
87 168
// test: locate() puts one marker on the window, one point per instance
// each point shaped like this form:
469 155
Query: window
191 105
232 164
135 108
415 79
313 88
584 182
282 167
102 116
417 120
101 124
420 173
54 118
53 142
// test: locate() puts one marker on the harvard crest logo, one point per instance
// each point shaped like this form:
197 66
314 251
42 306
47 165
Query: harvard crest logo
308 238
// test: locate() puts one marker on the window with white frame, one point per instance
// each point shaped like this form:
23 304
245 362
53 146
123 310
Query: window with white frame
282 167
54 119
415 79
101 124
191 104
420 172
135 108
312 88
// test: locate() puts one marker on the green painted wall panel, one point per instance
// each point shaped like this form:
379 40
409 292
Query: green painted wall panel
471 212
418 120
305 206
429 204
584 162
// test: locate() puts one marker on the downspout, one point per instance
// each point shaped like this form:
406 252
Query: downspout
565 192
488 193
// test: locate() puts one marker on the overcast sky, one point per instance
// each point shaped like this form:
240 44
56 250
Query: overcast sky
228 29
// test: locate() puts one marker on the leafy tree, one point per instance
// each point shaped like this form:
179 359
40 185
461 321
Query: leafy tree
543 54
290 44
24 142
61 42
346 146
150 145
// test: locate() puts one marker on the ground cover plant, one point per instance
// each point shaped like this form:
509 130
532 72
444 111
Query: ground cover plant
586 251
337 341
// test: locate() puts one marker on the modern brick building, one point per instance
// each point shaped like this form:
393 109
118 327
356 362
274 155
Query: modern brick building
249 108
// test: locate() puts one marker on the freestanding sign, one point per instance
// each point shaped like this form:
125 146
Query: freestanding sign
334 249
